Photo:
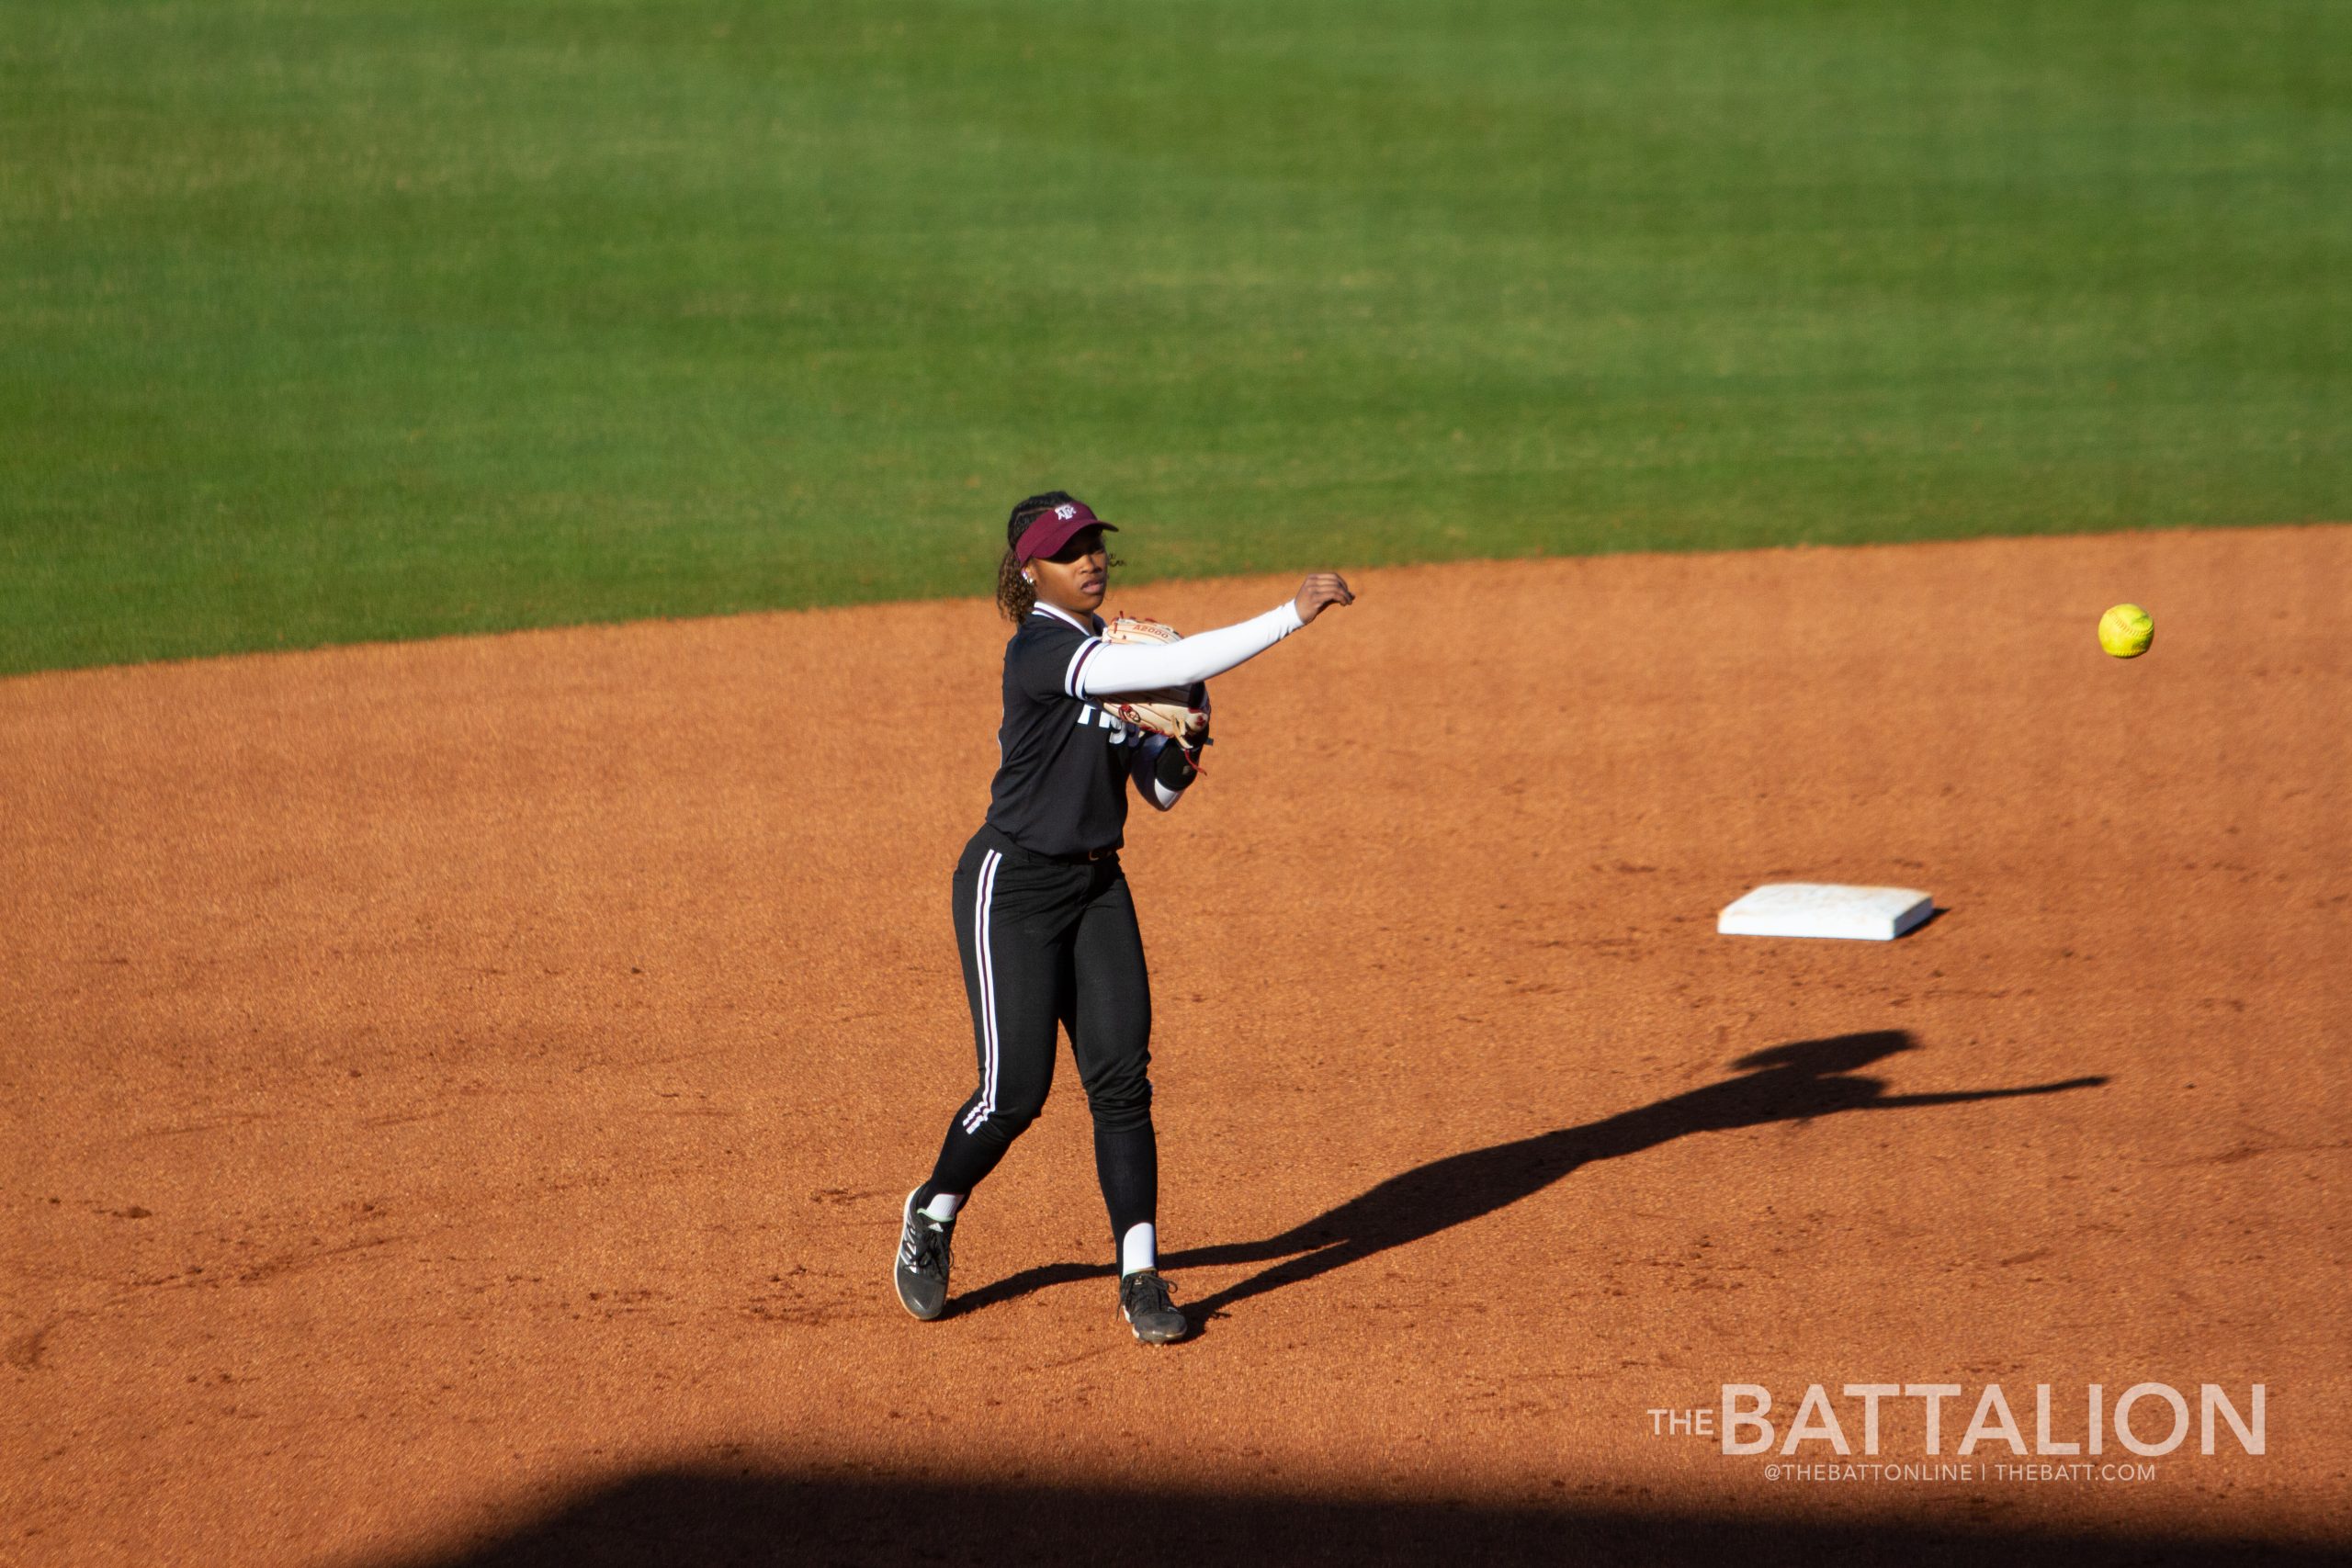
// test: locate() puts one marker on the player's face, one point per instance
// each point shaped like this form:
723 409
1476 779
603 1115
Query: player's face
1075 577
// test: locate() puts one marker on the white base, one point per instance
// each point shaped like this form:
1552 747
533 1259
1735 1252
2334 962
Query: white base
1826 908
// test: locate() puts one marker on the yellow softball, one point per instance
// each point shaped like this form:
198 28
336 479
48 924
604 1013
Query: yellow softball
2125 631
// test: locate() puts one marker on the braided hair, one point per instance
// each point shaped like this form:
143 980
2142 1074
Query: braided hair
1015 594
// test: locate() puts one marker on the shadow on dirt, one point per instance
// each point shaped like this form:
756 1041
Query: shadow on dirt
1787 1083
709 1519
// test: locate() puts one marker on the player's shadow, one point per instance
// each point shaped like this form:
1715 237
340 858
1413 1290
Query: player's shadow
1787 1083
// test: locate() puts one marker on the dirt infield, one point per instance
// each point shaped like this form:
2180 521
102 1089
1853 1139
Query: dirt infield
459 1096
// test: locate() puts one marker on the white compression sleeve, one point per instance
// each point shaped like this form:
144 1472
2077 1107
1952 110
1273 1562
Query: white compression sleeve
1106 668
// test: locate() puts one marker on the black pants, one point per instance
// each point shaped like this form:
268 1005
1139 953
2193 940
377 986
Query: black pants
1045 944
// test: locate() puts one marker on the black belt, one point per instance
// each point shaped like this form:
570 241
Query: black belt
1077 857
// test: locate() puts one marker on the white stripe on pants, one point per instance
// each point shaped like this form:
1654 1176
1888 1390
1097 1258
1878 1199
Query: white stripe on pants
987 1106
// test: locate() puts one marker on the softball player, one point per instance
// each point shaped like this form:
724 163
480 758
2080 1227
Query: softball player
1043 918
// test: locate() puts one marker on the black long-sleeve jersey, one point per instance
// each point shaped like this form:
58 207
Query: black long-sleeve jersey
1061 777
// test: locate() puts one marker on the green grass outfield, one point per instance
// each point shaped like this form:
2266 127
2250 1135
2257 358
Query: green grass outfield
336 320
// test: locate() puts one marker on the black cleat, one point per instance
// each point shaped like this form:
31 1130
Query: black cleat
922 1263
1143 1301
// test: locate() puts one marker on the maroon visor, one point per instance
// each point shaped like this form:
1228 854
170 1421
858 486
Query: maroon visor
1050 530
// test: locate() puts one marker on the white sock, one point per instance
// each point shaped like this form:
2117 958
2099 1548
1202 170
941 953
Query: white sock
942 1206
1138 1249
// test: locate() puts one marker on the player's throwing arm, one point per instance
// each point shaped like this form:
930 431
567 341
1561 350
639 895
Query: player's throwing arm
1103 669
